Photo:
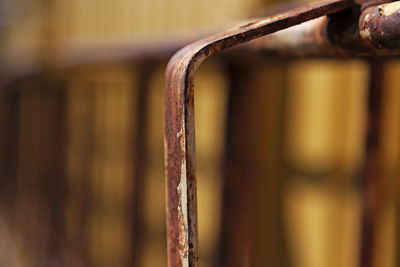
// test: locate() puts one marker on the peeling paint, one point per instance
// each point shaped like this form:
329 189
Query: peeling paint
179 134
183 216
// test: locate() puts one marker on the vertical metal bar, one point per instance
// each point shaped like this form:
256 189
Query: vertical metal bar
56 181
9 113
139 150
252 232
238 198
180 172
80 127
372 173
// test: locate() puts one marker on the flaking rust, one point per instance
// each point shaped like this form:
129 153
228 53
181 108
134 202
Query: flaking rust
179 127
379 27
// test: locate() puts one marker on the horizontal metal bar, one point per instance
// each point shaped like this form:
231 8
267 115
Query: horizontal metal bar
373 32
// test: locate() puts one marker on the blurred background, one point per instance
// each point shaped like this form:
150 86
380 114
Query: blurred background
280 143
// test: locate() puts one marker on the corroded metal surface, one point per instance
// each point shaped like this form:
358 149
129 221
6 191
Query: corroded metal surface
374 31
180 160
379 27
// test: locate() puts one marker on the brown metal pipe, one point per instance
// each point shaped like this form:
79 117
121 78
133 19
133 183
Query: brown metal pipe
373 31
372 176
179 130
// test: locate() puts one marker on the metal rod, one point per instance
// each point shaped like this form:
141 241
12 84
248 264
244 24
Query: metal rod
372 172
252 232
374 31
9 132
179 126
140 161
238 184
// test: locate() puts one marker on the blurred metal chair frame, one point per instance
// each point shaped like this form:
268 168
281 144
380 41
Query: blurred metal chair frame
338 28
335 28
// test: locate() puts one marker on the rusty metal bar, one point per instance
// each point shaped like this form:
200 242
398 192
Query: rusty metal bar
238 184
179 129
372 170
9 113
252 232
374 31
